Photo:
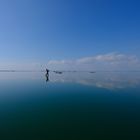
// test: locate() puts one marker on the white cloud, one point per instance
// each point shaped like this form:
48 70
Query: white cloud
56 62
111 57
110 61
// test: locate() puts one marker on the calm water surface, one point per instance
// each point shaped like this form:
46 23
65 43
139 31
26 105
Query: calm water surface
70 106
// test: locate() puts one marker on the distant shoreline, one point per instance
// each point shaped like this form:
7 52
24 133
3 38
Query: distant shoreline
73 71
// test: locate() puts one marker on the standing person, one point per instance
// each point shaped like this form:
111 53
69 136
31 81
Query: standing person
47 71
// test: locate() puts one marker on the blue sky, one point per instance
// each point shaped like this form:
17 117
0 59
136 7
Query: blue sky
46 31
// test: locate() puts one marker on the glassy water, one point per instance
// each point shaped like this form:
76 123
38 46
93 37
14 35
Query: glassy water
70 106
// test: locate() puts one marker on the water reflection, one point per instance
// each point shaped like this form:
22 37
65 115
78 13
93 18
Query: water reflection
28 105
108 80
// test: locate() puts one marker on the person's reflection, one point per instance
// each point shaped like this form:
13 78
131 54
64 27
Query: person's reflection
47 77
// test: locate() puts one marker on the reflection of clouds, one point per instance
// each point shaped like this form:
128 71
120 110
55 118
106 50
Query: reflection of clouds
108 80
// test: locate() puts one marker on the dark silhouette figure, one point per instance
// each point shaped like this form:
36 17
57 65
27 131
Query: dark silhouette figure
47 71
47 75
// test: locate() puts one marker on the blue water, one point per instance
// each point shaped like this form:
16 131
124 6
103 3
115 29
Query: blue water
70 106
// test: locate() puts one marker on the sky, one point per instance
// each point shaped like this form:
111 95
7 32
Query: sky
70 34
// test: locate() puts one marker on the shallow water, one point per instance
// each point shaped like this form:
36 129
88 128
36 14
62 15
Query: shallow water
70 106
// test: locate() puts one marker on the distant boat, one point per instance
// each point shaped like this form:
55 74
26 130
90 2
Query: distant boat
58 72
92 72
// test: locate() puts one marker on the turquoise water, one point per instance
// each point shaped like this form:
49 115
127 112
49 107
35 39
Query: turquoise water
70 106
